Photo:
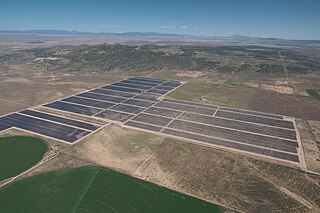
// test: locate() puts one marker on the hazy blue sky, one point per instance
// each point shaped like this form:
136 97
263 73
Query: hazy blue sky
297 19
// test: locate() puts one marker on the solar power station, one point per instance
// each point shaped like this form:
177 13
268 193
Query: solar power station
48 125
138 103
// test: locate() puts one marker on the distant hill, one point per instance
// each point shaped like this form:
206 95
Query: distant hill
164 35
64 32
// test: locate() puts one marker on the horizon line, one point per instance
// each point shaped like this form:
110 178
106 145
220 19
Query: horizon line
79 32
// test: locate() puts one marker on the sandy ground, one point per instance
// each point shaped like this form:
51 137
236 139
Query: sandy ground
233 180
315 128
62 161
236 181
276 88
309 133
24 86
284 104
117 148
192 74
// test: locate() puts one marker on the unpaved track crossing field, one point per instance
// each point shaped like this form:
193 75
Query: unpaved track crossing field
93 189
19 153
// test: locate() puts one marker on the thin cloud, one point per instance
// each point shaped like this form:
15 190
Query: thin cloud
167 27
109 26
179 27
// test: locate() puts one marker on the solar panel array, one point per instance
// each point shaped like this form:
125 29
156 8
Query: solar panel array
119 101
138 103
48 125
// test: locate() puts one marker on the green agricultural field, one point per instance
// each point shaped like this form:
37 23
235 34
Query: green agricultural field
92 189
313 93
19 153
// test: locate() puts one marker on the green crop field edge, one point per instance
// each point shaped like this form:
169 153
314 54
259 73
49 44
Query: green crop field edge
313 93
95 189
19 153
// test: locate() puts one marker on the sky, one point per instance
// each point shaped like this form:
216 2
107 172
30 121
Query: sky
291 19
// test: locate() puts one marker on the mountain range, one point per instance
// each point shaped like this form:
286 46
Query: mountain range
156 34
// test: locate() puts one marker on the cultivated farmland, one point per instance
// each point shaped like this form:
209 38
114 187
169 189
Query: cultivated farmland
19 153
92 189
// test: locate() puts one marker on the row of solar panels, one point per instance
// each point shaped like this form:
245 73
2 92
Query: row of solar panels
117 101
57 127
256 133
107 102
135 102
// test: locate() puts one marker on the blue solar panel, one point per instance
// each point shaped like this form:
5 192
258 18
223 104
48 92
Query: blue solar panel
39 122
68 121
144 79
132 86
3 126
73 108
112 92
89 102
122 89
116 116
127 108
157 91
149 97
102 97
137 102
105 102
59 132
152 84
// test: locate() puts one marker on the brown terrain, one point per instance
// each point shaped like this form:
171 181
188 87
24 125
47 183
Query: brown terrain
237 181
284 104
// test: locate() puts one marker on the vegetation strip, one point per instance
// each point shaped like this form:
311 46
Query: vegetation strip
85 192
95 189
19 153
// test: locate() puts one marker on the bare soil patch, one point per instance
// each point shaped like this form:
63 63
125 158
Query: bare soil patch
62 161
235 181
117 148
315 128
232 93
296 106
251 84
192 74
277 88
309 133
21 88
